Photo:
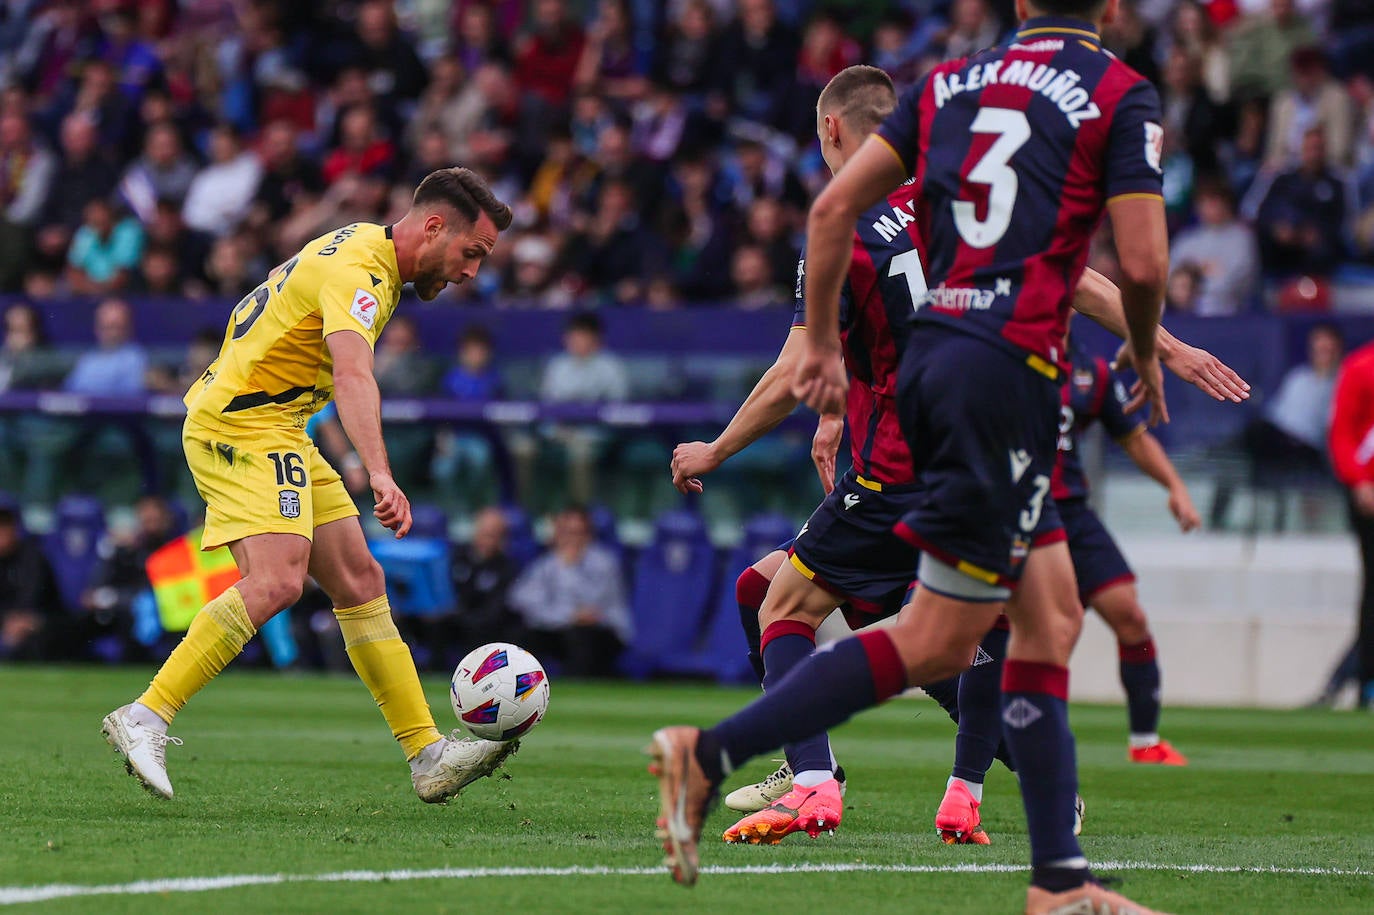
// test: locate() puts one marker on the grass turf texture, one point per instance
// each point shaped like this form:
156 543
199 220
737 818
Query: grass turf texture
297 775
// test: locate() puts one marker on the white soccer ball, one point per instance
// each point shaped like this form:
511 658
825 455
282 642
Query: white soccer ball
499 691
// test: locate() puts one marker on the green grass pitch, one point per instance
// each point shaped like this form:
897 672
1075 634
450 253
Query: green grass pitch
297 776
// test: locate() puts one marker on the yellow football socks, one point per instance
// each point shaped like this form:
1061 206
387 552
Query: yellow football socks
384 663
217 635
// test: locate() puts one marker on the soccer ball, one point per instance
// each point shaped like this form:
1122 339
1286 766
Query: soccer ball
499 691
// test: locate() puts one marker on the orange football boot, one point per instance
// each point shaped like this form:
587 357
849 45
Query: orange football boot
812 810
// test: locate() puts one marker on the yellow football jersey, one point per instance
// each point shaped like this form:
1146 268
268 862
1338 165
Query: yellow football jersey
274 370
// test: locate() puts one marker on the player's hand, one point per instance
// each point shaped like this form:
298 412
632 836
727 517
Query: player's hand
691 461
1364 499
1199 368
392 508
824 446
821 382
1181 507
1148 391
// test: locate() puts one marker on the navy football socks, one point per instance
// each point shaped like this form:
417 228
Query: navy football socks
785 644
1140 677
823 690
1035 718
979 740
750 590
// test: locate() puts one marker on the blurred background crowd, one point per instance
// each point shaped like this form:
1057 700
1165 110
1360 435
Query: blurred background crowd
157 157
661 153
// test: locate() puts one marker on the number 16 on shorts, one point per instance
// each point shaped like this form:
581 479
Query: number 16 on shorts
290 472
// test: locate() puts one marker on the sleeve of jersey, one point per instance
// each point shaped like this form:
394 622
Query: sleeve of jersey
347 301
799 297
1119 424
902 129
1135 146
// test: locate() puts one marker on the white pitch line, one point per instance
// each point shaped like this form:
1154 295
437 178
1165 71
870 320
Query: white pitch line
12 895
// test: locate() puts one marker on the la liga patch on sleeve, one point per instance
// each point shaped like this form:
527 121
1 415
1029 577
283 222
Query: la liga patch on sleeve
364 308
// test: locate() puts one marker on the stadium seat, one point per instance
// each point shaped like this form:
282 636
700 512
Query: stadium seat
725 651
73 545
417 574
521 543
673 584
428 522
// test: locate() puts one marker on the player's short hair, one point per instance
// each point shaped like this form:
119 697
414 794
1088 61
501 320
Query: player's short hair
861 96
465 191
1080 9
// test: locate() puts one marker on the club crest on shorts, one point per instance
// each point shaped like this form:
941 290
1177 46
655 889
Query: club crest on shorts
289 501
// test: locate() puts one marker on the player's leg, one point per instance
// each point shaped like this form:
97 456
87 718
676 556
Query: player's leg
1046 618
793 608
750 589
343 566
1119 606
977 742
267 528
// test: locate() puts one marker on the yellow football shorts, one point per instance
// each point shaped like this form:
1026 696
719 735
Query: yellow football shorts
266 482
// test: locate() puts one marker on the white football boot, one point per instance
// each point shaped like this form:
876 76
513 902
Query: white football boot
764 794
1080 810
144 749
462 760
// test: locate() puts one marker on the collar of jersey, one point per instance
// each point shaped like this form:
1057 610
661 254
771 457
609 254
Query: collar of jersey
1058 25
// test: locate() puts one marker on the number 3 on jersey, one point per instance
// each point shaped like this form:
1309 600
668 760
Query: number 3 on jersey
994 169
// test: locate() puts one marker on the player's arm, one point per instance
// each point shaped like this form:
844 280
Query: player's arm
1149 455
1142 247
767 405
1098 299
865 179
360 412
825 445
336 447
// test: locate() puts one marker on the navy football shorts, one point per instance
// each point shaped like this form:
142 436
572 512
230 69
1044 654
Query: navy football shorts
983 433
848 548
1097 560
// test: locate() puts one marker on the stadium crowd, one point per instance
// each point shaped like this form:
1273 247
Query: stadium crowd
660 153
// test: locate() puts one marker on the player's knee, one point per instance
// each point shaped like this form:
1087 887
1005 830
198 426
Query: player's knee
1132 627
280 593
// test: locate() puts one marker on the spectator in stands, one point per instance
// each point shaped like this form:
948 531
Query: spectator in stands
393 69
572 600
1222 248
402 368
972 27
30 609
230 268
697 229
362 149
826 50
462 464
1195 121
107 603
476 40
96 96
1313 100
761 51
546 55
1290 436
610 63
1135 41
288 178
1262 45
132 56
688 56
1352 431
163 172
661 122
27 168
584 372
473 378
1185 285
85 174
768 228
760 173
159 272
753 279
1301 214
176 379
1194 33
27 361
615 252
118 364
483 573
105 250
221 193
